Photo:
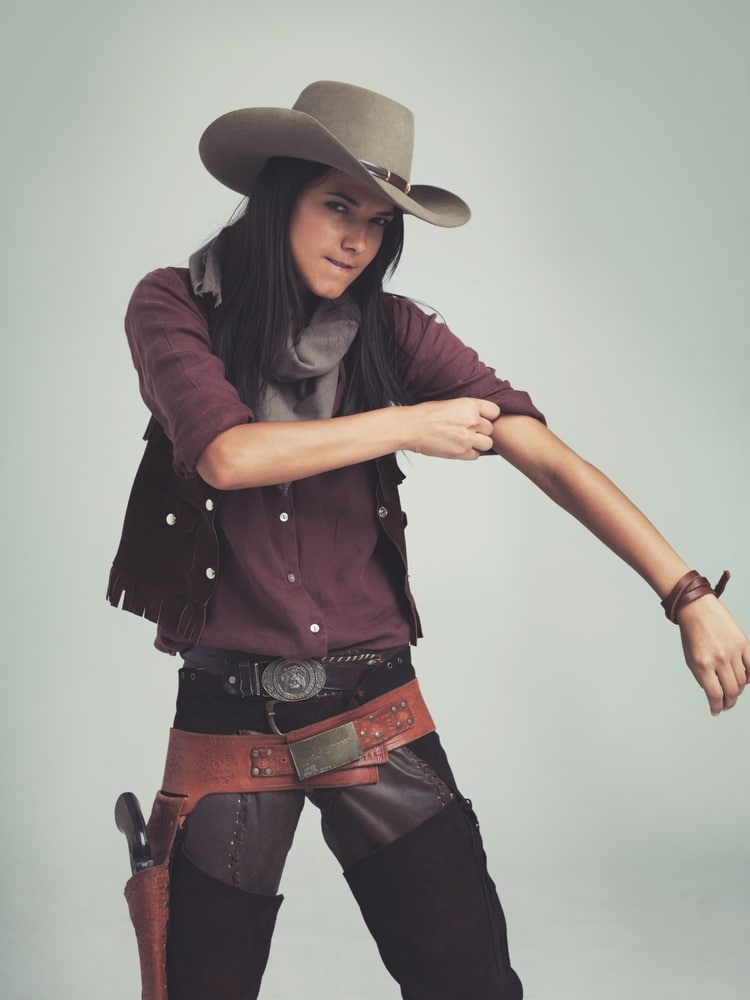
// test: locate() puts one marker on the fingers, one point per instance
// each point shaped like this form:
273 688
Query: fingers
731 690
489 410
718 699
456 428
723 684
714 694
487 413
717 652
734 679
482 437
742 667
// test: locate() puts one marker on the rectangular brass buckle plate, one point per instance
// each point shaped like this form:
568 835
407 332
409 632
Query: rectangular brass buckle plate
326 751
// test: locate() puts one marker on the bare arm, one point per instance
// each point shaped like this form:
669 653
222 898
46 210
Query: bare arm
716 650
261 454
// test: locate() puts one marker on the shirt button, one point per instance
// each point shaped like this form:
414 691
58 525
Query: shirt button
209 504
291 577
382 512
171 519
314 627
210 573
283 516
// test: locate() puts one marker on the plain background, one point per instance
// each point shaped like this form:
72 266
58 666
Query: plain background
604 149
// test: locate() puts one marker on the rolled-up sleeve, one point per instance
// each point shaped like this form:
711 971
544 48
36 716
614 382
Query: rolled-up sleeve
435 364
181 380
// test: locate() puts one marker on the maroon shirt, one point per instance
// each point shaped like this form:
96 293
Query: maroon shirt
305 571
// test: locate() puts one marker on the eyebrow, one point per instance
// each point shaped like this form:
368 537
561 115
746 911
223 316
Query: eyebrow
353 201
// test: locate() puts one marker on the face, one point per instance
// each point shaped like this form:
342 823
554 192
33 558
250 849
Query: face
336 230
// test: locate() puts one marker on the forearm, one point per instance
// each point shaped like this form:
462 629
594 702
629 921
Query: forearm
716 649
586 493
263 454
597 503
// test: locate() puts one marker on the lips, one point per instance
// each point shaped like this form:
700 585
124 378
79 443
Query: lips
339 265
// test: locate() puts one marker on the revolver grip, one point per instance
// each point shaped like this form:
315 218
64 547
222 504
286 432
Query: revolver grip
129 820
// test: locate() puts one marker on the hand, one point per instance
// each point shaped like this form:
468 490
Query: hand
454 428
716 650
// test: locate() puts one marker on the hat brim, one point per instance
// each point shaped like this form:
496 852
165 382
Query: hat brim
235 147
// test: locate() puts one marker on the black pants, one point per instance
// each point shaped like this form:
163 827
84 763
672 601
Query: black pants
409 847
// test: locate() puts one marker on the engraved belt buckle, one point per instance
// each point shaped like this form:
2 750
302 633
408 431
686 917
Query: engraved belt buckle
293 680
325 751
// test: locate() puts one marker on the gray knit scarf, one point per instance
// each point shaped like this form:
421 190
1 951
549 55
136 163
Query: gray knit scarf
304 387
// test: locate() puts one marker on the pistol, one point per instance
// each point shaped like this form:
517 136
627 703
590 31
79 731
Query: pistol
129 820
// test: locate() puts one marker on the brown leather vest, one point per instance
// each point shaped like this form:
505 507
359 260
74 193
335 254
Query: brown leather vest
168 557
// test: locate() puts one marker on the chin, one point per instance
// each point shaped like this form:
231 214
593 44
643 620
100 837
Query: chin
327 292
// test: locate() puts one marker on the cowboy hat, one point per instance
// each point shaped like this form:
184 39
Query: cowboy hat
351 129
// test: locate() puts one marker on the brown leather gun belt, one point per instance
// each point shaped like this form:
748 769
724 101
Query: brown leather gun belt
343 750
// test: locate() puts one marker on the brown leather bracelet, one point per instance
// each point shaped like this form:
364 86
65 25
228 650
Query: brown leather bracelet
689 588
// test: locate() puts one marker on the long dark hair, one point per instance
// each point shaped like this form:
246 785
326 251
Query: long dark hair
260 296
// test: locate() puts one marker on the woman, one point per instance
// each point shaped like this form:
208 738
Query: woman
265 537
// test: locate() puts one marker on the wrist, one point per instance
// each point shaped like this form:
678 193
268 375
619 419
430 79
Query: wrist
401 429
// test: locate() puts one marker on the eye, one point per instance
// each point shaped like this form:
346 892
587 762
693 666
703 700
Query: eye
337 206
381 221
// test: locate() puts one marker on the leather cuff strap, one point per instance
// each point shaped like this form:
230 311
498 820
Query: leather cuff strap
689 588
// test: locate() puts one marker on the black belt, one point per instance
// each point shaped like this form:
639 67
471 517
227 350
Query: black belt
246 675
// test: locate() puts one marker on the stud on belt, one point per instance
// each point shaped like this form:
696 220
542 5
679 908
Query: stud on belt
341 751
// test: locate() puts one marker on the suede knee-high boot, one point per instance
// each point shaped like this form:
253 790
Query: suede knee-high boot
434 913
219 937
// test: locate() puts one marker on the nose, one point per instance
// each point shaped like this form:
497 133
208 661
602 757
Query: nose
355 237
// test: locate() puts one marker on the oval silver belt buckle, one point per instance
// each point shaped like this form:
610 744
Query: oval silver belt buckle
293 680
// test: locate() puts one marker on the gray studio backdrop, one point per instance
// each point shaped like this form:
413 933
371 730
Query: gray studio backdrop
604 149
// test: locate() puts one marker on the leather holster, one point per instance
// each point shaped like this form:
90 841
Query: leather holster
147 895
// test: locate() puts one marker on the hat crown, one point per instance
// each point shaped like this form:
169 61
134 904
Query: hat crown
363 134
374 128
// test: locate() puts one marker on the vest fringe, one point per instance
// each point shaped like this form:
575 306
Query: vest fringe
159 606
